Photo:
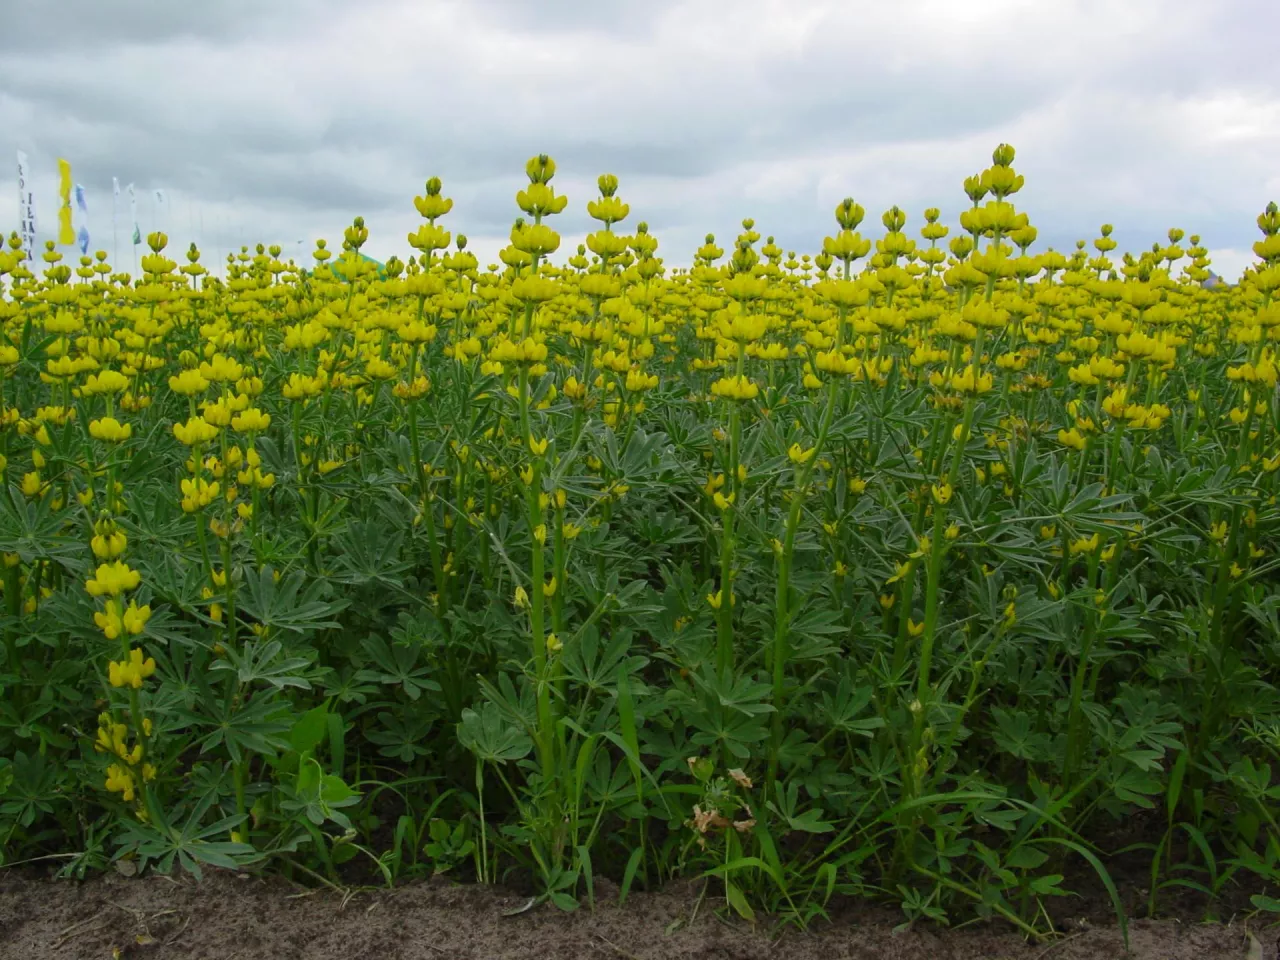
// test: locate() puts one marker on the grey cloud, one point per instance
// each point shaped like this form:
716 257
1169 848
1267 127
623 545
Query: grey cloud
80 24
261 110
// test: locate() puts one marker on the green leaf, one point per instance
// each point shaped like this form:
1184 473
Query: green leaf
309 730
739 902
487 735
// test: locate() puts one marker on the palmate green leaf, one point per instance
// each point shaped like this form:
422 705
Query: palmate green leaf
488 735
33 530
1016 734
268 661
369 553
811 632
402 736
729 711
286 605
843 707
32 789
786 805
397 665
178 581
594 664
260 724
191 844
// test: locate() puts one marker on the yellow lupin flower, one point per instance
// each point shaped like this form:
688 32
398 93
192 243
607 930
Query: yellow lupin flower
799 455
110 429
113 579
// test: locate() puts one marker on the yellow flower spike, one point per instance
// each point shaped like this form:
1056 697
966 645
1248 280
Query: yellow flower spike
540 533
520 598
537 447
526 474
554 644
914 629
722 502
110 546
887 601
839 570
952 531
549 588
941 493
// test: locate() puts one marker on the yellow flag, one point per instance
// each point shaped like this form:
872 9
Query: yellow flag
66 235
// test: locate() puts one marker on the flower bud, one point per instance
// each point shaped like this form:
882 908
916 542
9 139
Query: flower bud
849 214
540 169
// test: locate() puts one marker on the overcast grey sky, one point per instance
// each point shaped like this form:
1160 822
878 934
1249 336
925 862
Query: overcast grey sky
280 120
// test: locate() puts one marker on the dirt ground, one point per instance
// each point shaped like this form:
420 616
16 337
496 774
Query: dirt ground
236 917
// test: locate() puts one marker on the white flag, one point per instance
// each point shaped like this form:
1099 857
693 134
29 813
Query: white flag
133 215
26 207
82 235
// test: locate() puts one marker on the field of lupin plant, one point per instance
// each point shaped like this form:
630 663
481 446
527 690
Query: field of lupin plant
928 569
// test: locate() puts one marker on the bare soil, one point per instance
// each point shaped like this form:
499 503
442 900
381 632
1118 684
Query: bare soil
237 917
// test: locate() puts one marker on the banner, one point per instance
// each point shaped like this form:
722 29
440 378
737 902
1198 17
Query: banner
82 235
26 207
159 212
66 235
133 215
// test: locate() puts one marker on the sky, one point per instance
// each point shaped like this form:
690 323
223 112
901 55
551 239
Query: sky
279 122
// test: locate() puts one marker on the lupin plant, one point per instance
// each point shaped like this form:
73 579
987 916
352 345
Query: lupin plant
909 567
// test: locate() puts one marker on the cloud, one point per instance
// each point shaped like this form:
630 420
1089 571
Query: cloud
285 120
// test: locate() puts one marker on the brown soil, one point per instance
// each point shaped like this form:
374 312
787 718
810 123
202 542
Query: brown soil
235 917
